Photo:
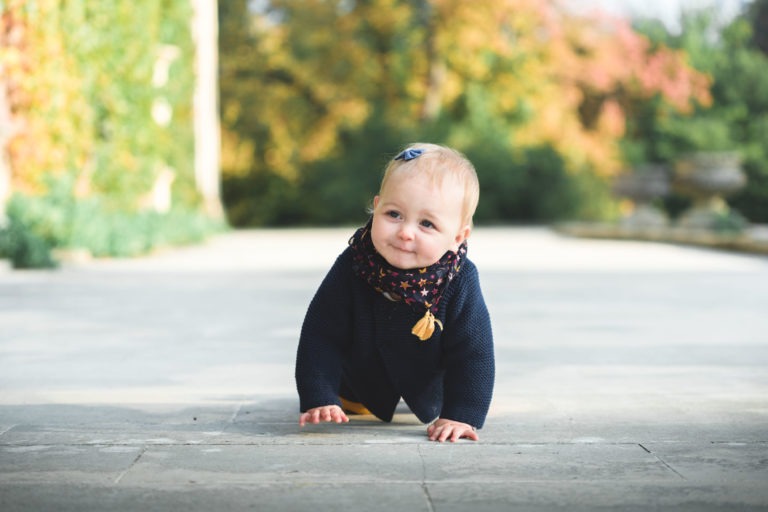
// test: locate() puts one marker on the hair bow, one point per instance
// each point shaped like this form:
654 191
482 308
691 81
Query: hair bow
409 154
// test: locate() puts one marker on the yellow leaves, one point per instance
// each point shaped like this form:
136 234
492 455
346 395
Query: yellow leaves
45 94
579 76
543 76
387 16
320 141
84 96
236 154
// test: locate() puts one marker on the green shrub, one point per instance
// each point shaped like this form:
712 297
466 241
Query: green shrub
24 248
38 225
534 186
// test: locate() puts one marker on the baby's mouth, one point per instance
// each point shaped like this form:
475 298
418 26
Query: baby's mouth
400 249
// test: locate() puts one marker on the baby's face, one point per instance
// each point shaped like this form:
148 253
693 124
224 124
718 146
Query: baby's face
415 221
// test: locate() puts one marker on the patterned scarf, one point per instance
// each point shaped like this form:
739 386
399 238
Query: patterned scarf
421 288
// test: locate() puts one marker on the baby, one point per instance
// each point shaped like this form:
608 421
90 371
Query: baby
401 314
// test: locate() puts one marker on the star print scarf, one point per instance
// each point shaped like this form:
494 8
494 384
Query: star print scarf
420 288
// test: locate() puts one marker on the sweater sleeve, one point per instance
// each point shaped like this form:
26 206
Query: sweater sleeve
324 333
468 354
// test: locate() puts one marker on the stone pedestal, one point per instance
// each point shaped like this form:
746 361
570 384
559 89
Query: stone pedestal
707 178
642 185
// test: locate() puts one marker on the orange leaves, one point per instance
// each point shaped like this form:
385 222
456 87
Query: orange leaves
599 69
613 60
669 73
42 92
537 74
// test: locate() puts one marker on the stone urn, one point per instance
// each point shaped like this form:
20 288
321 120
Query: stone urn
642 185
707 178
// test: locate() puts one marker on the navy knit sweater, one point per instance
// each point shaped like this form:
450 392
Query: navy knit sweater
358 344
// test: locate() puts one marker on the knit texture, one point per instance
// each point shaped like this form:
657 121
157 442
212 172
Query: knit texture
357 343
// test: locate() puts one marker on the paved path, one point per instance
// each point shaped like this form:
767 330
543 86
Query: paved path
631 376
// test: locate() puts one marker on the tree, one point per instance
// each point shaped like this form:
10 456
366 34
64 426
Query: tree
758 14
302 79
736 118
97 126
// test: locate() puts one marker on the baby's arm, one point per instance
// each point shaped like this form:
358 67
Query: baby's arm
469 361
330 413
445 430
324 334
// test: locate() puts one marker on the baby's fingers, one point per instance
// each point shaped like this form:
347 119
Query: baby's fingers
439 432
311 416
319 414
338 416
451 432
466 433
303 418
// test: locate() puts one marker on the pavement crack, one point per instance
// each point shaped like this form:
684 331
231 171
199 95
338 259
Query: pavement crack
235 414
232 418
425 490
135 461
424 487
663 462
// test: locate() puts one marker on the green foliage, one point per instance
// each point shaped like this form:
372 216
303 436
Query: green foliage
530 185
758 14
738 117
533 185
730 222
117 48
704 132
21 245
752 201
263 199
107 115
335 190
340 189
36 225
24 249
315 96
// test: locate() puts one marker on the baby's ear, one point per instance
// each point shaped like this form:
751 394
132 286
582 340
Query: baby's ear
375 201
463 233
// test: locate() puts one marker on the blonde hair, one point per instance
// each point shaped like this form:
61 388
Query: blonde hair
438 162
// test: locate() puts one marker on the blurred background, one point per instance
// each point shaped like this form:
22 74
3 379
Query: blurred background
130 126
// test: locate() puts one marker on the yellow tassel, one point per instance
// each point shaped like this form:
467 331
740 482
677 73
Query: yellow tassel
425 327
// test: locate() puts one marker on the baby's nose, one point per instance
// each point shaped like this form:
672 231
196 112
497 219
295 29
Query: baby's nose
406 232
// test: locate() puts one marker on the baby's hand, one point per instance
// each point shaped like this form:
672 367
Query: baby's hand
444 429
324 413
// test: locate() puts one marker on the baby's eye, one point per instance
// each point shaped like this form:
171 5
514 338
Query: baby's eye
393 213
427 224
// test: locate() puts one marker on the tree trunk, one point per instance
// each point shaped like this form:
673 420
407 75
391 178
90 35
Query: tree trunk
435 67
206 106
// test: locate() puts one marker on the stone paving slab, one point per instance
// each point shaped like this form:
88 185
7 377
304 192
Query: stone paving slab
597 496
375 497
371 496
167 454
630 376
717 463
63 463
221 466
